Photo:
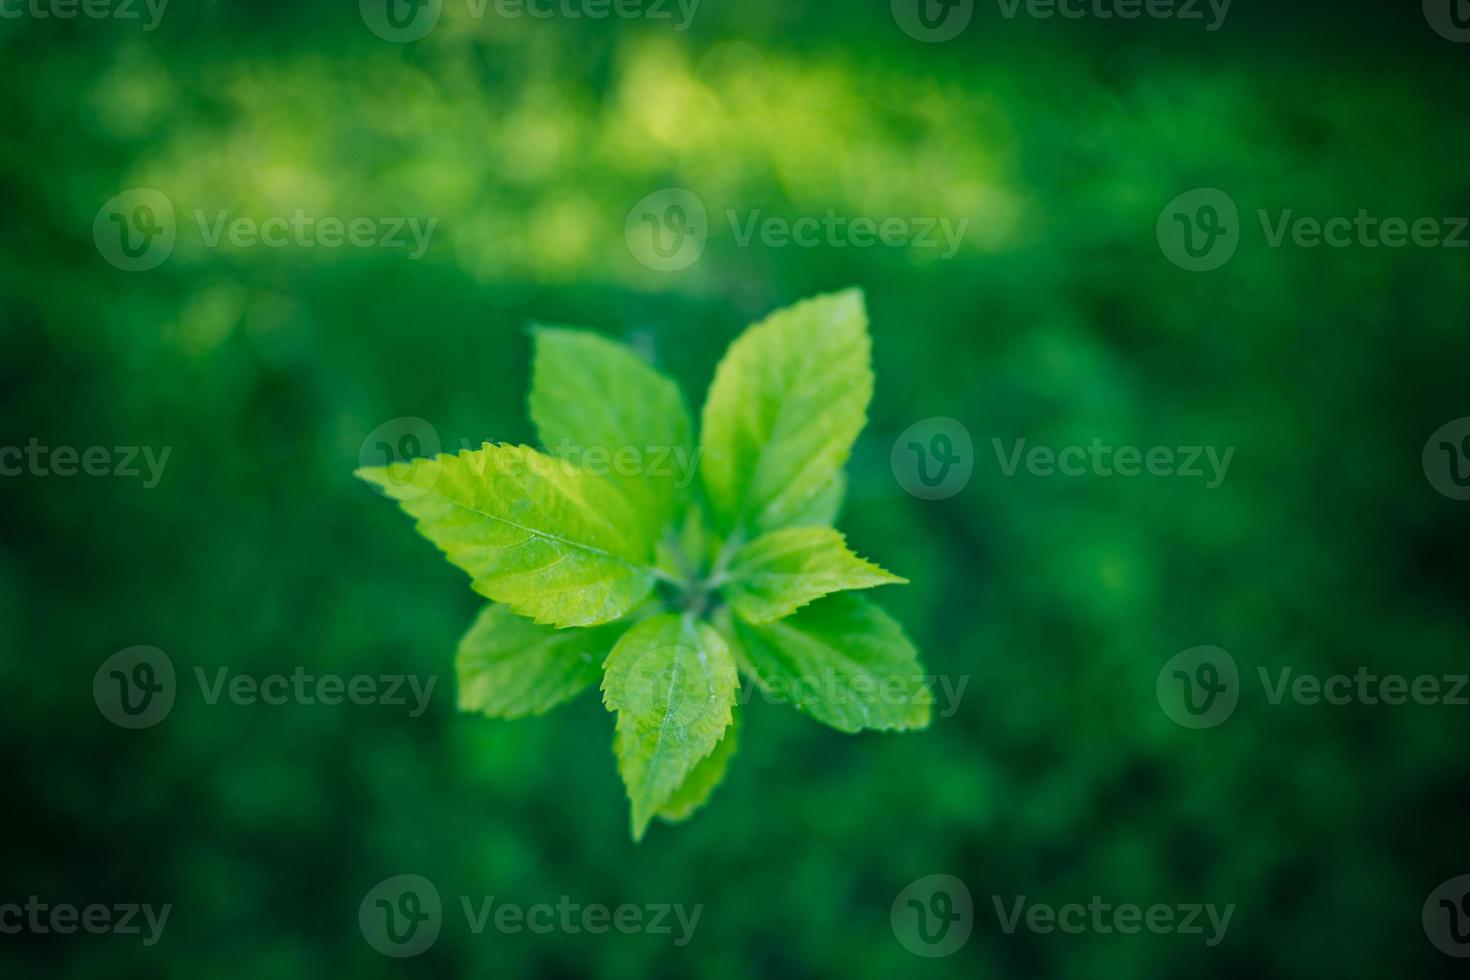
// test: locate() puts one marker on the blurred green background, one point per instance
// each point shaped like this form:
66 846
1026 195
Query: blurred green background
1059 599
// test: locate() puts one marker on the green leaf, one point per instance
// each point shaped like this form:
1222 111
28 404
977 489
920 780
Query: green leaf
599 404
825 506
672 682
510 667
781 571
785 407
844 661
551 542
704 778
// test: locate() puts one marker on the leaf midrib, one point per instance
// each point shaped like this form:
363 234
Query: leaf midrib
550 536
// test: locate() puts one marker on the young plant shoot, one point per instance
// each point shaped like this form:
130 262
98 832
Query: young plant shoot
606 561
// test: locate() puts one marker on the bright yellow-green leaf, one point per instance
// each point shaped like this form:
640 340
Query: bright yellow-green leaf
600 405
510 667
825 506
785 407
844 661
672 682
781 571
535 533
705 778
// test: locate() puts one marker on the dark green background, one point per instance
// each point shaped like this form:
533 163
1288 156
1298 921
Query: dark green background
1060 599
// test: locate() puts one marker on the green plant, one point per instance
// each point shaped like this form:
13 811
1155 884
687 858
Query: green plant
603 563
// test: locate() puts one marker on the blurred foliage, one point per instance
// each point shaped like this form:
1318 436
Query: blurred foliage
1059 599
